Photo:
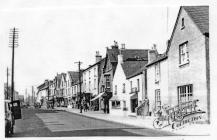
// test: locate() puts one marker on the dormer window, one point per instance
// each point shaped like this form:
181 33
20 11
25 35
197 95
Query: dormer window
183 23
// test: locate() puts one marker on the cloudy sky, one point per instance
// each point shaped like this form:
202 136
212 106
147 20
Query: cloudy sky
55 34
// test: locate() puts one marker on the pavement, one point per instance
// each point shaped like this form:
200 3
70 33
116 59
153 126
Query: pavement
193 129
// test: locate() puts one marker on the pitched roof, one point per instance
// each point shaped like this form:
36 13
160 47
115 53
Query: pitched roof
58 78
133 59
73 75
130 67
160 57
97 63
139 71
64 76
200 15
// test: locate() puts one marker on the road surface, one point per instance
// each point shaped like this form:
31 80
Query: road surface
53 123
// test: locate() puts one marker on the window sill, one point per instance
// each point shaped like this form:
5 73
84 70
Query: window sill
184 64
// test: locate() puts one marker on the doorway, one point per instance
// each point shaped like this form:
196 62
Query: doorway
134 104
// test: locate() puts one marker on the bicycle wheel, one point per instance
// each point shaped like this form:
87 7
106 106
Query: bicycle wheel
158 124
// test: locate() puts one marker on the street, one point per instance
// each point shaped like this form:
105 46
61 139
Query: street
54 123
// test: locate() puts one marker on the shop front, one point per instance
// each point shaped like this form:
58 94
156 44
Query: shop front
95 102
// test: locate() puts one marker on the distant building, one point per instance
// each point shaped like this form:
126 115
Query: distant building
71 79
42 93
90 78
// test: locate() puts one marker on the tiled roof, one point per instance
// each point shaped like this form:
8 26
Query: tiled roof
74 75
200 15
158 59
133 59
139 71
130 67
58 78
134 54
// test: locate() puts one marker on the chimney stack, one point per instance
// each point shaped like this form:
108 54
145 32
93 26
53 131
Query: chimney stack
98 56
115 46
152 54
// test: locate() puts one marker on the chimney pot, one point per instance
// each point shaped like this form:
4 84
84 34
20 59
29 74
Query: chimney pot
98 56
122 46
154 47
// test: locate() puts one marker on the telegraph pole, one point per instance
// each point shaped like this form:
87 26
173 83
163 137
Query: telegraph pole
13 43
7 96
32 95
26 94
79 68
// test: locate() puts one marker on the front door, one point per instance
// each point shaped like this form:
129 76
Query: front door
134 104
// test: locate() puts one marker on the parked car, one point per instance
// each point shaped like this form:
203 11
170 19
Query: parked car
9 119
12 112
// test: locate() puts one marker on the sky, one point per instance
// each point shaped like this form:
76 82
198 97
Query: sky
53 35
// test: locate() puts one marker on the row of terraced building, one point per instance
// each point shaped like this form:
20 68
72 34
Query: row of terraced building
141 81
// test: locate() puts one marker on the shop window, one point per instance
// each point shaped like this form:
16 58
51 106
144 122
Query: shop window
116 104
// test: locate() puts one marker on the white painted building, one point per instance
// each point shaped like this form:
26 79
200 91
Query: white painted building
157 83
127 84
90 78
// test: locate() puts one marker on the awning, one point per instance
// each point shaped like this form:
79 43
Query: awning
115 98
99 95
134 96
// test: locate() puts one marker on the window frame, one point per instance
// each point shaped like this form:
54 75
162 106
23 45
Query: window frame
184 53
157 72
138 85
107 81
157 99
182 23
185 93
116 90
124 88
115 104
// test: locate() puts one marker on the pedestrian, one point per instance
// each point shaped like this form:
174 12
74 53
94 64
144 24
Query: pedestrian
85 105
